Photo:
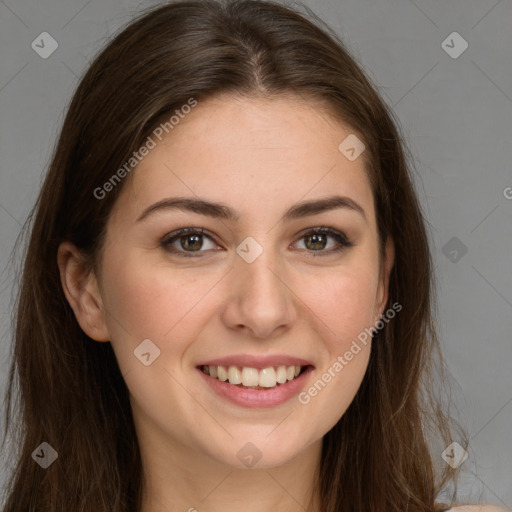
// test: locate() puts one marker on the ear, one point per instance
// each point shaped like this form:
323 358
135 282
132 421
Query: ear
82 291
385 271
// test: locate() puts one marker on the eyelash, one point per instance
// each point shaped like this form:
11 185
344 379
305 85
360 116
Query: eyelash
340 238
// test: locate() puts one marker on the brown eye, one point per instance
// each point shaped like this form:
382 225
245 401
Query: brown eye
187 241
191 242
316 241
323 241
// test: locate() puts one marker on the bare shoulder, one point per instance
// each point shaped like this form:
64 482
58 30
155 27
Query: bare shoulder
478 508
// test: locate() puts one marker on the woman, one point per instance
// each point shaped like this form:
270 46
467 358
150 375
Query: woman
227 292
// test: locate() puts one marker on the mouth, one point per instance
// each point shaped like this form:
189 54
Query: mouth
256 381
248 377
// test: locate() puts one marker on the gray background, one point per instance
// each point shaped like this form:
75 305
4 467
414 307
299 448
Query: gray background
455 112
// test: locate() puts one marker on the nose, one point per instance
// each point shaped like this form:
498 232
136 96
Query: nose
260 301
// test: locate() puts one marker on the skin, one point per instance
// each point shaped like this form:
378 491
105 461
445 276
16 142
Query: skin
258 156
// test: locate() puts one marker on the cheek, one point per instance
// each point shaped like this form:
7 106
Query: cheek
156 302
344 302
345 305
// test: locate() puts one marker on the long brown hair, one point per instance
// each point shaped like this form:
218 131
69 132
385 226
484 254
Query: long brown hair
71 393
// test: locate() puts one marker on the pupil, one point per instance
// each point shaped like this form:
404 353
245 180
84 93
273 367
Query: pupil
317 241
191 242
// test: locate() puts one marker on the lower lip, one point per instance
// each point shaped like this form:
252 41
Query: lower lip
247 397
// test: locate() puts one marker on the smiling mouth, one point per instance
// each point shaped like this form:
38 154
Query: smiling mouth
253 378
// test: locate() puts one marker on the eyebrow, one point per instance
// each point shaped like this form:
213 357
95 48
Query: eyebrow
221 211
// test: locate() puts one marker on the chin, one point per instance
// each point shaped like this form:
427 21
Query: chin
260 450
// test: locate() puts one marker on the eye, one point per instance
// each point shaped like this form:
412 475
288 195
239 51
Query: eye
318 241
324 240
188 240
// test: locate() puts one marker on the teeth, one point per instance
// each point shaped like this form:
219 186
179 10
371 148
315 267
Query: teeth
267 378
234 375
281 374
249 377
222 373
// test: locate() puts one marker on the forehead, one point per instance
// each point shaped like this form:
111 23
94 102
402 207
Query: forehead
260 150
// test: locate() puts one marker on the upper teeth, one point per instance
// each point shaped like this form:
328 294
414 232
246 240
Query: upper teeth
252 377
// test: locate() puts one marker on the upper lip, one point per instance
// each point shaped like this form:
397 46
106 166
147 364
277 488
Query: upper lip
258 362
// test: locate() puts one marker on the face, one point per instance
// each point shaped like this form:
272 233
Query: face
273 270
